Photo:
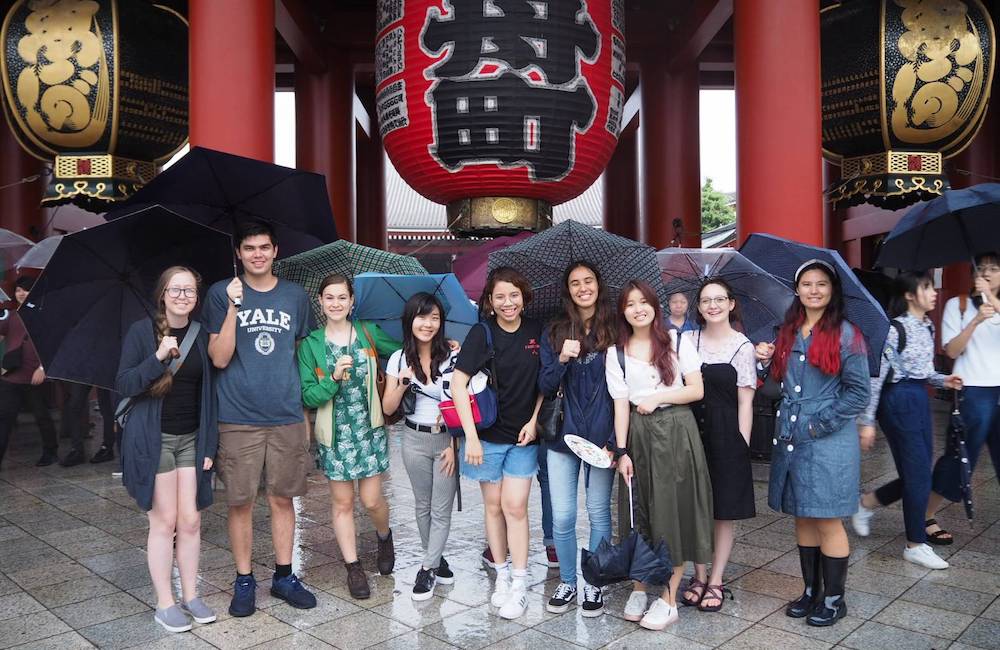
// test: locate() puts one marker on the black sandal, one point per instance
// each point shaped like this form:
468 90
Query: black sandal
718 592
693 584
939 537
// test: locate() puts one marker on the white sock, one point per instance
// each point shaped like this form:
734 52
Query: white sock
520 576
503 572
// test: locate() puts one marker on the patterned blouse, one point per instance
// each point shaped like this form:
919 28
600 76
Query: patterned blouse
915 362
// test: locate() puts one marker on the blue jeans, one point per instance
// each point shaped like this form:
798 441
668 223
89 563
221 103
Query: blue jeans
981 415
543 483
905 417
564 474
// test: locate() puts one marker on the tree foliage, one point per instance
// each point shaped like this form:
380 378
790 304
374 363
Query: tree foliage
715 209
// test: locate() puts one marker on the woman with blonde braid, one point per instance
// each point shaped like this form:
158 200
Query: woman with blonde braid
169 440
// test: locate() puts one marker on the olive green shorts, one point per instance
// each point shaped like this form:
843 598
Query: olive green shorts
177 451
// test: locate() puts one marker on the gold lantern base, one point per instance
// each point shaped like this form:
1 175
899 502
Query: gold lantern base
889 179
93 180
494 216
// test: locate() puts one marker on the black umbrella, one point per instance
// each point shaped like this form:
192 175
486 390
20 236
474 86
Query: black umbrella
955 227
543 260
219 190
782 257
101 280
633 559
956 448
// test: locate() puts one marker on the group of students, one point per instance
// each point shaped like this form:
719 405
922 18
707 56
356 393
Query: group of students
672 409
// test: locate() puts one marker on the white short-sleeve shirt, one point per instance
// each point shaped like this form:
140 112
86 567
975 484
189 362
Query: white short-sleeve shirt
977 365
644 378
428 395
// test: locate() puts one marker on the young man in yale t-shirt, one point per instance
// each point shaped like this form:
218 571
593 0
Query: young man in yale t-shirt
254 325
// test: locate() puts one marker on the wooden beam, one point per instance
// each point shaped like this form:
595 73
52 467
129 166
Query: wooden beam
702 23
297 27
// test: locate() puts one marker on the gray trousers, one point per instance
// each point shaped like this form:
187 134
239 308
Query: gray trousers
433 492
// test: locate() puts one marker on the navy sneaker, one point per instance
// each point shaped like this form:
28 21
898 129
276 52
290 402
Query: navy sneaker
244 601
290 590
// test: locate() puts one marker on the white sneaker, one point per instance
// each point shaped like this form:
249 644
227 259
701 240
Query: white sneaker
925 556
861 521
517 601
659 616
635 607
501 590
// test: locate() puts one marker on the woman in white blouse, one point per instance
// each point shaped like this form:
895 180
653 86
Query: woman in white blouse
652 380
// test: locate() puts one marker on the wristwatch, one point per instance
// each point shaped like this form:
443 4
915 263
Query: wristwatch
619 452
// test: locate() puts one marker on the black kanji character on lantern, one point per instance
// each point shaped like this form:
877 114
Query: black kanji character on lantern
511 121
521 33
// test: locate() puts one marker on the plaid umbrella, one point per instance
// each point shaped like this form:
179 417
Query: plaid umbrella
957 448
309 268
543 260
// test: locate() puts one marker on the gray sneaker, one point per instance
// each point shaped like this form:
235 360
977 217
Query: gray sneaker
172 619
199 611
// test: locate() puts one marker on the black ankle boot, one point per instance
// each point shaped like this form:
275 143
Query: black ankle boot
812 576
833 606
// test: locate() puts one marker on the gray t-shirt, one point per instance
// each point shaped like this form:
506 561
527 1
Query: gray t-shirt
260 386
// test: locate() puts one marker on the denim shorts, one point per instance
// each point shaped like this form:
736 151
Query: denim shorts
501 460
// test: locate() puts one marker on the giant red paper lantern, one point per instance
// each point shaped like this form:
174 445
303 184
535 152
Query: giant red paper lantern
500 108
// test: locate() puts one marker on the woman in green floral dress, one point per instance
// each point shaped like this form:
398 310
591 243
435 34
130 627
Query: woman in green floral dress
338 366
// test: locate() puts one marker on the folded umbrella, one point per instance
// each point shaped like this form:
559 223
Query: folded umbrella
472 267
544 257
782 257
956 448
762 298
350 259
954 227
39 254
380 297
101 280
220 189
651 565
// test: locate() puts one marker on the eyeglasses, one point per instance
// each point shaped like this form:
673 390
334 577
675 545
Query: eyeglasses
718 301
176 292
989 269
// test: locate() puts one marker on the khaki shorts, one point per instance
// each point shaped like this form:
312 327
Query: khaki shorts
281 452
177 451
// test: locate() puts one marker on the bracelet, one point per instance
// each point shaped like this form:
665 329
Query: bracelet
619 452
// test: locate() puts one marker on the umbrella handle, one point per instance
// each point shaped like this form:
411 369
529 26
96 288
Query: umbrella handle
631 511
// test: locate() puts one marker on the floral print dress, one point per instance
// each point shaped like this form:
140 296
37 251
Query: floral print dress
358 451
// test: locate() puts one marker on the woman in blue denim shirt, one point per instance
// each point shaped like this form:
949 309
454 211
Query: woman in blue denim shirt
820 359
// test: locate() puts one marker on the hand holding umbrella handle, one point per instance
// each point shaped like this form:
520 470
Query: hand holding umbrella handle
234 291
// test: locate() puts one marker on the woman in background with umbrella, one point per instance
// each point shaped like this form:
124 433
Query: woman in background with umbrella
338 369
503 458
899 397
414 378
652 379
820 359
573 351
970 330
170 439
725 417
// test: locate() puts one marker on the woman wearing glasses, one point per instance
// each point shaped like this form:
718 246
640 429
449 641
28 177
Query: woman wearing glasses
169 440
725 417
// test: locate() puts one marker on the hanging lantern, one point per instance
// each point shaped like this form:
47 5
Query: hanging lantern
906 84
500 108
98 87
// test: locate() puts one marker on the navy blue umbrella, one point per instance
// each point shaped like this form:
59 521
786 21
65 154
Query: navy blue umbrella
955 227
782 257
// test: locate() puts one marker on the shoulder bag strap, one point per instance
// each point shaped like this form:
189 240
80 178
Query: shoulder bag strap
493 379
186 344
733 358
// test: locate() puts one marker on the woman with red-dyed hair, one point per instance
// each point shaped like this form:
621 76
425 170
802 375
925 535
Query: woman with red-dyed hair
652 379
820 360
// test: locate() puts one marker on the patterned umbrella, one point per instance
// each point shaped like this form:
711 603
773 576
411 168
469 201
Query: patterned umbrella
543 260
762 298
309 268
956 447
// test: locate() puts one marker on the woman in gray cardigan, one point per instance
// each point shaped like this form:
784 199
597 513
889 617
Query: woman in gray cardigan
169 440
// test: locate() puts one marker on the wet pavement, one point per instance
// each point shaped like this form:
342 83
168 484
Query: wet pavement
73 575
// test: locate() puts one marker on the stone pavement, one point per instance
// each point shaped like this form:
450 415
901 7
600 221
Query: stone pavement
73 574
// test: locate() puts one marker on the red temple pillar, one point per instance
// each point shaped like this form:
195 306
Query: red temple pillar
778 137
683 154
231 46
19 204
371 222
324 134
621 196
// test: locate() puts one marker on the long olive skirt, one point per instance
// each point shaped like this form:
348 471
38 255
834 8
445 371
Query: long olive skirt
672 491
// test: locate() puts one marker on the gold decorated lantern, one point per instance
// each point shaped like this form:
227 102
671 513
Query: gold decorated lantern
98 87
906 85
